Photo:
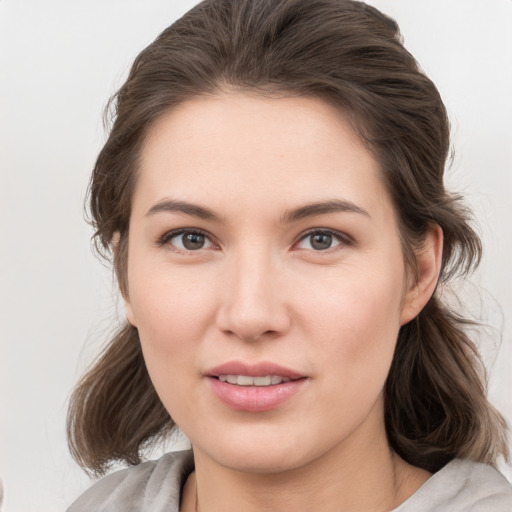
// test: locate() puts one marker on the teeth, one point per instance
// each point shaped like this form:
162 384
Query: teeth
242 380
263 381
247 380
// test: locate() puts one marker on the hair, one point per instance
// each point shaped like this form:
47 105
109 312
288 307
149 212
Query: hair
350 55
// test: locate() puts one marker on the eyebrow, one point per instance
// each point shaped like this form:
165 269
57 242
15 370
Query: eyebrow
322 208
302 212
171 206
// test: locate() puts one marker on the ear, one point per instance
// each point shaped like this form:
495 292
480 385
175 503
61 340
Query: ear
129 312
428 260
117 248
130 316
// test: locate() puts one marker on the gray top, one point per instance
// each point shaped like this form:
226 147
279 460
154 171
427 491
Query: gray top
155 486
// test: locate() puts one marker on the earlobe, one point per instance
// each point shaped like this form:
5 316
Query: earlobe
130 317
119 254
428 260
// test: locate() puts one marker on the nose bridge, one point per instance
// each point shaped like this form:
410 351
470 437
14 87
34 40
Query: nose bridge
253 303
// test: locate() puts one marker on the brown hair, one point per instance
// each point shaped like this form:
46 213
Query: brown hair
351 55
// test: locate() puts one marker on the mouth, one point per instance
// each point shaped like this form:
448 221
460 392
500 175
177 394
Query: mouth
248 380
255 387
264 373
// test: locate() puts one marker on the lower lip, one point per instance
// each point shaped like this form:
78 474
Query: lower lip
255 398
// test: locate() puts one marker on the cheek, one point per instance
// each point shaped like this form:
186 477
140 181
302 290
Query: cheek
356 325
170 308
172 317
356 300
169 305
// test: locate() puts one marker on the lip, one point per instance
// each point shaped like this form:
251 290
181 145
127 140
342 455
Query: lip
261 369
254 398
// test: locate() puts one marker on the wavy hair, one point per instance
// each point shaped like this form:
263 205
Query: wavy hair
350 55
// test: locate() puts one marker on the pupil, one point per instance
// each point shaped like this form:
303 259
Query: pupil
193 241
321 241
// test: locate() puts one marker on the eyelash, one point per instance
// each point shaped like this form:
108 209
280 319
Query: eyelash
167 237
342 238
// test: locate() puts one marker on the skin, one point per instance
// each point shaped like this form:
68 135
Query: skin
259 290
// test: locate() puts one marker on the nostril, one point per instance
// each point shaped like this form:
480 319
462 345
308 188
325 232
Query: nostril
251 337
251 316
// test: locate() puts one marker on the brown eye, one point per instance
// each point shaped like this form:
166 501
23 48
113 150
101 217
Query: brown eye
186 240
193 241
320 241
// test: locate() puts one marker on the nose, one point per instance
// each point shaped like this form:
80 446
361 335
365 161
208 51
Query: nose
253 301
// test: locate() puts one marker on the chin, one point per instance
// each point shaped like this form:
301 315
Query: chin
259 461
261 454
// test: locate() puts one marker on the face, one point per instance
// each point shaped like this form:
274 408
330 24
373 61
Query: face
266 279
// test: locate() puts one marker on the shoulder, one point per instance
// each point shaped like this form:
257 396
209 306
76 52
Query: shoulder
462 485
153 485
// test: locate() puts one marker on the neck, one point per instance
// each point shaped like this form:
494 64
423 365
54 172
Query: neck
353 476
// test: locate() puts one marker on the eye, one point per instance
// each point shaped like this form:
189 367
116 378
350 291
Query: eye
187 240
320 240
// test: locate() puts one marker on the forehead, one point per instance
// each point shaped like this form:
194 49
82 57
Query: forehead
234 148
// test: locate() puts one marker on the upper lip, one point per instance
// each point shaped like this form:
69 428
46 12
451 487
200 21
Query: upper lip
261 369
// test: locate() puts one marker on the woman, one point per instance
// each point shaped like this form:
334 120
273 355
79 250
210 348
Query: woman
272 195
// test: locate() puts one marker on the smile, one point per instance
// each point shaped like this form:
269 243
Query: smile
247 380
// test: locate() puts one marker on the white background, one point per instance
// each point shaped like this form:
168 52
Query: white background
59 62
